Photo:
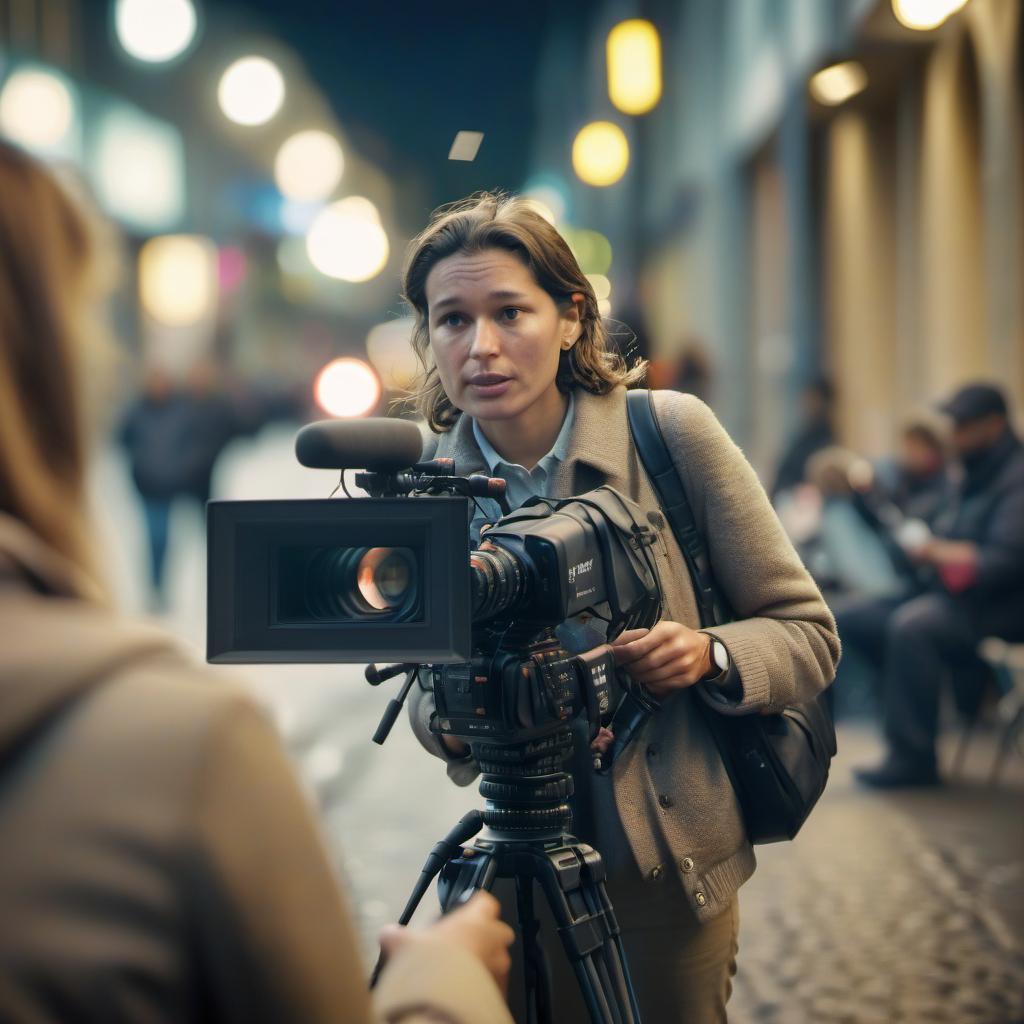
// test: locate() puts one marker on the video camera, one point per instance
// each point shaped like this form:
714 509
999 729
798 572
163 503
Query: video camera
387 576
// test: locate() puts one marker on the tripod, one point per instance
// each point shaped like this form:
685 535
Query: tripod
524 834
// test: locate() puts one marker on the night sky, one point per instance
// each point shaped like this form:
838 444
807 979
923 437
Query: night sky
403 78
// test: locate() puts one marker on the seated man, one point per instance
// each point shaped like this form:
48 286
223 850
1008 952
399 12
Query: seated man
974 589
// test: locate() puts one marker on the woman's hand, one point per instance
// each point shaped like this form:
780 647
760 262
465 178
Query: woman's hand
477 927
667 657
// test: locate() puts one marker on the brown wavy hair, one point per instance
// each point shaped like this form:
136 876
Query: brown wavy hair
491 220
51 276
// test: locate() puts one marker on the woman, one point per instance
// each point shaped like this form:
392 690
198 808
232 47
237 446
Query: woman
518 381
158 861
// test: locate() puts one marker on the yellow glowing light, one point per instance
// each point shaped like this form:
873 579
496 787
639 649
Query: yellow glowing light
36 109
604 307
347 241
838 83
155 30
178 279
389 347
309 166
600 153
634 66
924 15
251 91
601 285
347 388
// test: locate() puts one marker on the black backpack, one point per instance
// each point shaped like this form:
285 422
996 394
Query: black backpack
778 763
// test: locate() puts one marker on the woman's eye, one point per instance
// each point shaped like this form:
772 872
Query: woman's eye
511 313
451 319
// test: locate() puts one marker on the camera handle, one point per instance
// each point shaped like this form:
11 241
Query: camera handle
375 676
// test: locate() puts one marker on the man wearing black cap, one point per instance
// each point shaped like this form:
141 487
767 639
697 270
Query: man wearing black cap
976 563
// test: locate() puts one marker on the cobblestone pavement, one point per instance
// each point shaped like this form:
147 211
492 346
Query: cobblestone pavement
887 908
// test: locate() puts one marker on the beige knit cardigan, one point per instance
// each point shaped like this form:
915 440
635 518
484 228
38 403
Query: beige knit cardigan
676 804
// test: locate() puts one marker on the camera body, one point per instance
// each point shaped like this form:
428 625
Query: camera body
392 576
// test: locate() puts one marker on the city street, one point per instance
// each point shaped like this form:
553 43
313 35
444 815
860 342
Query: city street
906 907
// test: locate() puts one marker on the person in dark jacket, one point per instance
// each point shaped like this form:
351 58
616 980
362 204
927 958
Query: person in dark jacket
975 560
814 434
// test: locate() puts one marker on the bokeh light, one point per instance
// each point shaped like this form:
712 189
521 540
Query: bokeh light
309 166
138 167
389 347
155 31
178 279
540 207
592 250
634 66
601 285
347 388
37 109
600 154
232 267
924 15
251 91
347 241
838 83
604 307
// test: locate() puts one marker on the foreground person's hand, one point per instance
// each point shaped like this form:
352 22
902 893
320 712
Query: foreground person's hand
668 656
477 927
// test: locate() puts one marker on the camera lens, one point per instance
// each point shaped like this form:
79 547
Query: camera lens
498 581
362 584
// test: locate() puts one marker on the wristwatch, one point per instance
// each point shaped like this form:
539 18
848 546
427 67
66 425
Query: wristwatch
719 660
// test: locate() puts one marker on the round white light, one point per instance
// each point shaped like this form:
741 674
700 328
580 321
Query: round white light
924 15
347 241
155 30
309 166
36 109
251 91
347 387
601 285
178 279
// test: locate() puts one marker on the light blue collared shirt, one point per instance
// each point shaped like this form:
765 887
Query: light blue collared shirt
520 483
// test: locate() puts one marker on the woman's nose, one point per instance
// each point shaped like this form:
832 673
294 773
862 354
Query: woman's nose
485 339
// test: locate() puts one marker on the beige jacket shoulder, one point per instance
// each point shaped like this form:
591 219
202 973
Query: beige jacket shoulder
783 642
160 861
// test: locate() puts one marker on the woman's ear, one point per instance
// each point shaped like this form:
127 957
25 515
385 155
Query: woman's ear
572 322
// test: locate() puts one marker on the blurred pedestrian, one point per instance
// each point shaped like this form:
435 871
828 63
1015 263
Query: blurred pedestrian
173 434
814 432
159 861
974 589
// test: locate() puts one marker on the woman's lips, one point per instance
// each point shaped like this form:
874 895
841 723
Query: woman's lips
489 385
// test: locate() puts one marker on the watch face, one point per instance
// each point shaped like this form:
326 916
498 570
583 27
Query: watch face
720 654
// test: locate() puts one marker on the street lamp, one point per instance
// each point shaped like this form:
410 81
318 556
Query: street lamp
251 91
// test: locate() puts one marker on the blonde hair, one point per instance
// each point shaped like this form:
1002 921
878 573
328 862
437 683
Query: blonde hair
49 277
491 220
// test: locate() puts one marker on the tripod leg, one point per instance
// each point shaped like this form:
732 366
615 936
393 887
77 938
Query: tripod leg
572 880
536 971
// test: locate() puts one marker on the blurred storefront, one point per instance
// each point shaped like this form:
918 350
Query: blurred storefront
867 225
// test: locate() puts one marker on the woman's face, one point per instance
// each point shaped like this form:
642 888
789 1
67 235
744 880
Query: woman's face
496 335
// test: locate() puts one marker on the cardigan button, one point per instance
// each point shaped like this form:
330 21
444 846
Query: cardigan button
686 864
700 898
656 873
665 801
652 750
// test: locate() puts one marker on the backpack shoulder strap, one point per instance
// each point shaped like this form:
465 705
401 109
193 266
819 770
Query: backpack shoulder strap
649 442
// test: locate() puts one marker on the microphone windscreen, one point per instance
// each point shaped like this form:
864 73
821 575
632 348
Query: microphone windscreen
378 444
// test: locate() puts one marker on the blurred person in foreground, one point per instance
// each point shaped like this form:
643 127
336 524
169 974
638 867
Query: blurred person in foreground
973 561
159 860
